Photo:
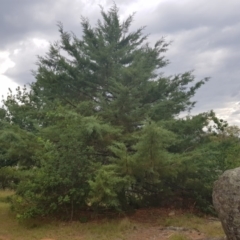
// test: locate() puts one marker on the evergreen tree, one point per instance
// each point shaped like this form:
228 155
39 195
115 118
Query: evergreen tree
116 72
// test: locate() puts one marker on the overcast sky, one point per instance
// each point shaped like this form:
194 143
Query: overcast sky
205 38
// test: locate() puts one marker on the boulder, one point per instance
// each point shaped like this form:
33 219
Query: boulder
226 200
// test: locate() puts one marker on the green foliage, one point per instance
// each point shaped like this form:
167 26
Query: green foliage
99 129
22 109
205 154
9 177
17 146
71 149
151 153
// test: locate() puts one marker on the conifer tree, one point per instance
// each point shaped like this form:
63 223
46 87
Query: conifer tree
116 71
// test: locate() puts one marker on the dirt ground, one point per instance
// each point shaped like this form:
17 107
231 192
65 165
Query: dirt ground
156 233
148 228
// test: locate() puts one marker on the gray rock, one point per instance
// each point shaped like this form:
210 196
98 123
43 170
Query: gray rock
226 200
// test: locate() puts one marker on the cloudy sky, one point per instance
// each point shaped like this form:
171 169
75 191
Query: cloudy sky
205 38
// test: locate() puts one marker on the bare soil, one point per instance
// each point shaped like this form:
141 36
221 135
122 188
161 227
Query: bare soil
147 226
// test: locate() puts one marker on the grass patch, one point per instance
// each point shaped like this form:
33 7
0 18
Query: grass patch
210 228
109 229
4 195
104 229
11 229
177 236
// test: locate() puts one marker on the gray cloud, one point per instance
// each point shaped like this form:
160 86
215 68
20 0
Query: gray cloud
175 16
18 20
28 18
205 38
